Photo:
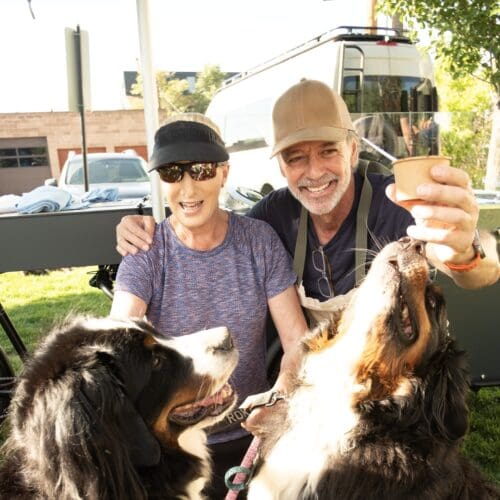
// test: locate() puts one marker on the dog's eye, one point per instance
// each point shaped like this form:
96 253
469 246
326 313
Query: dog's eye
393 262
157 362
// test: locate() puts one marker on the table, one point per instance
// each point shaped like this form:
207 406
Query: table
50 240
62 239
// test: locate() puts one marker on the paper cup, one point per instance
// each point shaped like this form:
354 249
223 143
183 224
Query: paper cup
412 171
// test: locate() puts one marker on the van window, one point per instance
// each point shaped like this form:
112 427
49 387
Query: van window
386 94
390 111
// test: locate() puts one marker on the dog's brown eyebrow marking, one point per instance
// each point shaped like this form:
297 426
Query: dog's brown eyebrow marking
149 341
415 353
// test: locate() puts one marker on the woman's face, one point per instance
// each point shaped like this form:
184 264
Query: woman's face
194 204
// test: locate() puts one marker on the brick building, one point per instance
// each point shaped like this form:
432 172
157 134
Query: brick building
34 146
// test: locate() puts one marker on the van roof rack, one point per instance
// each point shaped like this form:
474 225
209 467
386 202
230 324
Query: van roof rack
351 33
369 33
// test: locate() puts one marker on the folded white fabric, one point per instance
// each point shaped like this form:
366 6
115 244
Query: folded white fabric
101 194
48 199
8 203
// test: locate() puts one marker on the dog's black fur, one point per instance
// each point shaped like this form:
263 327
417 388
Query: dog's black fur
91 417
393 382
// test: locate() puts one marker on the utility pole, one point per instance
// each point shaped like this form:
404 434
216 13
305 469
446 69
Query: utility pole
77 62
371 19
81 103
396 23
372 14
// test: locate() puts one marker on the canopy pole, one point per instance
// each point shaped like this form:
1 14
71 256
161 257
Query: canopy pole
150 94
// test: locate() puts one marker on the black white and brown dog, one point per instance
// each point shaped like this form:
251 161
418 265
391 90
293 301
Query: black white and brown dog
378 410
105 409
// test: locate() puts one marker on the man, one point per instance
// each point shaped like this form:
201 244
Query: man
317 151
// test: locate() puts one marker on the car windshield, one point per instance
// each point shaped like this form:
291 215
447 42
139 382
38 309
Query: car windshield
107 170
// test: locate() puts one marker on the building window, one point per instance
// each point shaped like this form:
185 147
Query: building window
23 153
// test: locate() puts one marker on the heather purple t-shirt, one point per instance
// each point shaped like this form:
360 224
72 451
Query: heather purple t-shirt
189 290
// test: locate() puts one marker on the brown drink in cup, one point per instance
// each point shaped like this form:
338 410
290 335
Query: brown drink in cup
412 171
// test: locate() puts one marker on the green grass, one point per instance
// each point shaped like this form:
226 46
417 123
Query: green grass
482 444
35 303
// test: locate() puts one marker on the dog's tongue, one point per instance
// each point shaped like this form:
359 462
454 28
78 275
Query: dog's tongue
217 398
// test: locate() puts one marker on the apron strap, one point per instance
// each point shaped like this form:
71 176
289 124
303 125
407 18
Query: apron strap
362 223
299 255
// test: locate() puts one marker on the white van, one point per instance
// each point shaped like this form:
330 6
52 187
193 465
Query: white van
387 83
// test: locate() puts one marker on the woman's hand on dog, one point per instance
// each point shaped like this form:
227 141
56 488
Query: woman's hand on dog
259 411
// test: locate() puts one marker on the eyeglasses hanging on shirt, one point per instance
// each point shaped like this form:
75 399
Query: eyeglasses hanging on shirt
322 265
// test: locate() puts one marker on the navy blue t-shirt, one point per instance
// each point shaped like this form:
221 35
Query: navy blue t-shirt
386 222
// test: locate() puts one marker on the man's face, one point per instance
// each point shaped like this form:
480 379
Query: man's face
318 173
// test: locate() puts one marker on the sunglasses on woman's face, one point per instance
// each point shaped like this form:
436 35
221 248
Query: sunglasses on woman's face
174 172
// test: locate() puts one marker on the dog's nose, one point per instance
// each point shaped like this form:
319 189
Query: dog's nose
410 244
419 247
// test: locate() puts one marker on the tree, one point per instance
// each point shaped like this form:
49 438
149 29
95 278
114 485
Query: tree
174 95
465 138
209 80
465 35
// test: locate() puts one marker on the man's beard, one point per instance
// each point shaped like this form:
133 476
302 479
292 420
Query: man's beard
326 204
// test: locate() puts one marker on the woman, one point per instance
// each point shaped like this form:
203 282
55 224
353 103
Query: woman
209 268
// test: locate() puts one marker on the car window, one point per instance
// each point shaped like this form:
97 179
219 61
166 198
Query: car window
107 170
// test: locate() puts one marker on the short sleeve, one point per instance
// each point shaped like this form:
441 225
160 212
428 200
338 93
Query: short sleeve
136 273
279 273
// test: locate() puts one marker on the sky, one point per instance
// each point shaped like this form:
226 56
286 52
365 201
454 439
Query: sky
185 35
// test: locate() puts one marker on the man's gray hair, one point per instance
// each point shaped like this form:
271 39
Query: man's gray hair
353 136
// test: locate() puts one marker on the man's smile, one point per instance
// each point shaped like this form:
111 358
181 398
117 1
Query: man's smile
319 189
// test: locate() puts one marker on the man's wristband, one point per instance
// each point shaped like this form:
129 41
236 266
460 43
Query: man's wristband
479 254
462 268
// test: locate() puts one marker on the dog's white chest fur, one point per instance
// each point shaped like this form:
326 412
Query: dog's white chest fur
194 441
328 404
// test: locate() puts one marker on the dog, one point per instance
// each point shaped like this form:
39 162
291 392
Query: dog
378 409
106 409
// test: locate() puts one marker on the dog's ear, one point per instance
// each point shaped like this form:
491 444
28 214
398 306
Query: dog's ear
144 449
447 387
115 419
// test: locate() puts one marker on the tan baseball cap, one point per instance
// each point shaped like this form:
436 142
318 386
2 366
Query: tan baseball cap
309 111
